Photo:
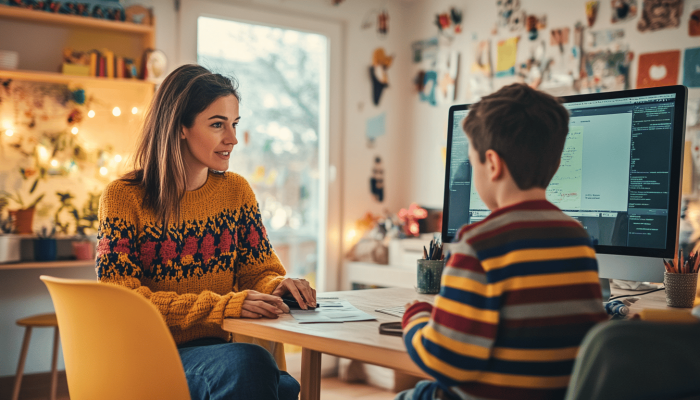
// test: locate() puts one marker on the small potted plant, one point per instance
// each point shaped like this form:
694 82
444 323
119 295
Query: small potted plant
24 216
45 245
84 248
9 243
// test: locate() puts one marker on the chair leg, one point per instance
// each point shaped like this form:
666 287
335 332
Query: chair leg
20 366
54 362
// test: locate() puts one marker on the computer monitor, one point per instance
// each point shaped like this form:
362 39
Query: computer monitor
620 176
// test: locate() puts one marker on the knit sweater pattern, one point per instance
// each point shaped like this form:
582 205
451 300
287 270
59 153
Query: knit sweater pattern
518 294
197 271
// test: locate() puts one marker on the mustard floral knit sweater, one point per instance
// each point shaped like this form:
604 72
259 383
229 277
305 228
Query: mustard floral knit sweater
198 272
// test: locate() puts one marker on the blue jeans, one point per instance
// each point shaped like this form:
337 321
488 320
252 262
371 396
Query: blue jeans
424 390
217 370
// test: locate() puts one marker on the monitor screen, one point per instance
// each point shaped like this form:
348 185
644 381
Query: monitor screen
619 173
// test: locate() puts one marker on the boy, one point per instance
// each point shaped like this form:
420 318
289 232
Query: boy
521 288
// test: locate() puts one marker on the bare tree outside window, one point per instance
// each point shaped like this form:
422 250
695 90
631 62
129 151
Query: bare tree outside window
281 74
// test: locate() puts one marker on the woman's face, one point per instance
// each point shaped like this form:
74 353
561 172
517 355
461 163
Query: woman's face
209 141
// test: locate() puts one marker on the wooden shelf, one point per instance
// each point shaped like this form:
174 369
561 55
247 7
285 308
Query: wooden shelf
48 264
45 17
55 77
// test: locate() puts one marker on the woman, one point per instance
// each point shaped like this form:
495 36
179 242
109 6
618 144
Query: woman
191 240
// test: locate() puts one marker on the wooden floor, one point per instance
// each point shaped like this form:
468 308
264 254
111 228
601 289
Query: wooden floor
331 388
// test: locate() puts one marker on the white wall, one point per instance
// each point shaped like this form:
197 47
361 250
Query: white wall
427 125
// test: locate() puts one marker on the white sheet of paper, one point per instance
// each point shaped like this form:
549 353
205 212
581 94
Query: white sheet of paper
343 312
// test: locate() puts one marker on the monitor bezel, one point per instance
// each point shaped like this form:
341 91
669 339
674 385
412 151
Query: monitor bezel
678 141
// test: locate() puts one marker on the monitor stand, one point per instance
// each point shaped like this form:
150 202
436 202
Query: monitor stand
605 288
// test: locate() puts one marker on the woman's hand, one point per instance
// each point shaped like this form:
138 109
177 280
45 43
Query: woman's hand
300 289
257 305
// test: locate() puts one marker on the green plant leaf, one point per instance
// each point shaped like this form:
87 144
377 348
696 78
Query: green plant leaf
36 201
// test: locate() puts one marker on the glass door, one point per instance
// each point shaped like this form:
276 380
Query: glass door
282 77
288 69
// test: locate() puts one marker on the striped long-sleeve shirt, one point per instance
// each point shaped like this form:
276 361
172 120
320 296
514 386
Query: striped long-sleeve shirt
517 296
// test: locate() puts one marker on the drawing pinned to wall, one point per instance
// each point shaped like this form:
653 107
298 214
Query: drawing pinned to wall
448 74
425 50
376 180
694 22
658 69
533 63
449 23
378 73
510 16
660 14
377 18
564 57
605 71
534 24
480 80
691 67
430 83
623 10
592 12
375 128
611 40
506 57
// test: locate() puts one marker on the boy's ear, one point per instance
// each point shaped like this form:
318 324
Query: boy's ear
495 164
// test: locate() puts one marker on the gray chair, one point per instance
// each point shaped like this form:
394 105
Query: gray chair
638 360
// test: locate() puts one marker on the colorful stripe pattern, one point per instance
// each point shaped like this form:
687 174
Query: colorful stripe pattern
196 272
517 296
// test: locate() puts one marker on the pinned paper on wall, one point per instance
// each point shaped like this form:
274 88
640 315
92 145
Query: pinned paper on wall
376 127
658 69
448 74
510 16
507 51
425 50
691 67
611 40
564 62
660 14
532 63
534 24
694 22
480 80
623 10
430 83
605 71
591 12
378 73
376 180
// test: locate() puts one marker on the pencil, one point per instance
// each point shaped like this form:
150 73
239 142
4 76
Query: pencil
425 253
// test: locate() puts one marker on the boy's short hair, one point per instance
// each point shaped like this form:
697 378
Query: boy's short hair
526 127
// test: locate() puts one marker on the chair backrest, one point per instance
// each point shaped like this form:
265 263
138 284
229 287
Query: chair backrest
638 360
115 343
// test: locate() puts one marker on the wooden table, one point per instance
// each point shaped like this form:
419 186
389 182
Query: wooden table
656 300
356 340
361 340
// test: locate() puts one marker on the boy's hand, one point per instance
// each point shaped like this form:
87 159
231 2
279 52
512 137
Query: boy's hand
411 303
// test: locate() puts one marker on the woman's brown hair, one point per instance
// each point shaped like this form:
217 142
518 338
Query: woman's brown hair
158 164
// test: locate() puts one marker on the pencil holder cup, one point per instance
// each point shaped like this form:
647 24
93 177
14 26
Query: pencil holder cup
429 274
680 289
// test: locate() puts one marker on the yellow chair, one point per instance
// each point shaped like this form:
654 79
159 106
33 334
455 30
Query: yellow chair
115 343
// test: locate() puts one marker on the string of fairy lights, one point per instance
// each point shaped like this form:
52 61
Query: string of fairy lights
43 153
